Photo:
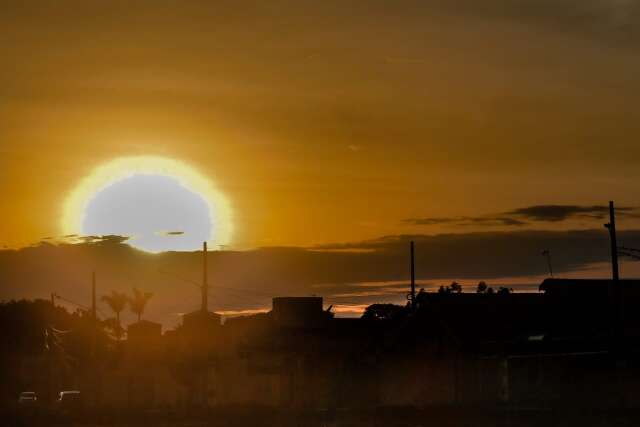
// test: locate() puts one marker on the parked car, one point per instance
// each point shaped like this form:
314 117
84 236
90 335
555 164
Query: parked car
27 397
69 399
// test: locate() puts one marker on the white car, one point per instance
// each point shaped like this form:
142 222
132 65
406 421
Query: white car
69 398
27 397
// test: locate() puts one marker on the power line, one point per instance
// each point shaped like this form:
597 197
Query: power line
624 248
83 307
629 254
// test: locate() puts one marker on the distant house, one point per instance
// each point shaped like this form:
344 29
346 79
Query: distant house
291 312
144 330
201 320
592 308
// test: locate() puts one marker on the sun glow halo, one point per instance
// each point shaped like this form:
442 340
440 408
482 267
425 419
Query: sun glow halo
118 170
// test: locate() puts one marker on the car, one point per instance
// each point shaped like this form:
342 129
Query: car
27 397
69 399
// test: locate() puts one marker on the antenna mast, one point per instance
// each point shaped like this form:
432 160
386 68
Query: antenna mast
615 292
413 280
93 296
205 285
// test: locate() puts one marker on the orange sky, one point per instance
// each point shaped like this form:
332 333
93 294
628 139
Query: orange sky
325 123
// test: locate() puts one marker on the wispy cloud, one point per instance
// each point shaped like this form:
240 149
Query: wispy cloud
592 19
556 213
78 239
467 221
358 294
243 312
527 215
169 233
349 310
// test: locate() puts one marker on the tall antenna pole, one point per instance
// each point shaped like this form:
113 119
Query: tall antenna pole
205 285
413 279
547 254
94 339
616 306
614 244
93 295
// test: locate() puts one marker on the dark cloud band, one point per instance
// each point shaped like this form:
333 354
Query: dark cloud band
244 280
523 216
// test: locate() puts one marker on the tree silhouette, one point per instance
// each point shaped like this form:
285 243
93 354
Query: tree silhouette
383 312
117 301
482 287
138 302
455 287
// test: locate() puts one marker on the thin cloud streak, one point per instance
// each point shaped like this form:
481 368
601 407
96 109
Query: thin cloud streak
527 215
556 213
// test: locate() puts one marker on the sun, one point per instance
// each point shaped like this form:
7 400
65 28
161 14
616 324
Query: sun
160 204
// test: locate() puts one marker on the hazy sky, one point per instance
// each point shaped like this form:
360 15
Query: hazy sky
328 122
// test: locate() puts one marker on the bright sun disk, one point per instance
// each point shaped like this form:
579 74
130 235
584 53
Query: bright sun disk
159 203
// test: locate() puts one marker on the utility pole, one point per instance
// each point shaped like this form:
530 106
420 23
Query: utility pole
616 300
50 392
205 285
93 296
413 279
204 382
614 244
93 373
94 317
547 254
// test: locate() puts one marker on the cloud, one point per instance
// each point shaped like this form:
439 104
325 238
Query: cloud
78 239
170 233
355 273
497 221
555 213
433 220
602 20
523 216
247 312
349 310
467 220
480 254
102 240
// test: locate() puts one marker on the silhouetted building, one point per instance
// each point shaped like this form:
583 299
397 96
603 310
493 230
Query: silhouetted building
298 312
587 308
201 320
555 347
143 331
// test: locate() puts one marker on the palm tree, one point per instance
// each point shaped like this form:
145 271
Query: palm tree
116 301
139 301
